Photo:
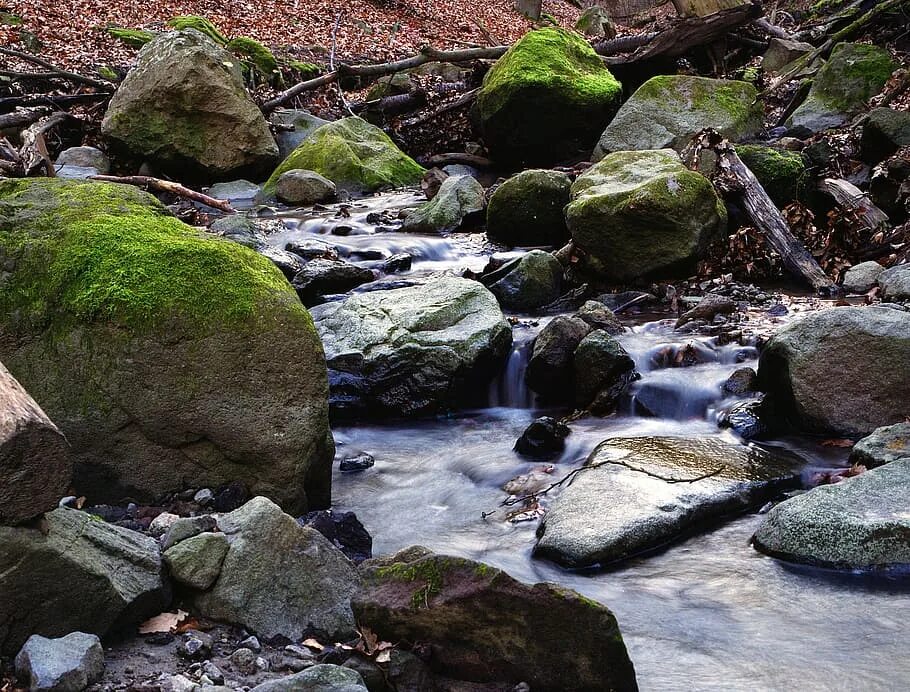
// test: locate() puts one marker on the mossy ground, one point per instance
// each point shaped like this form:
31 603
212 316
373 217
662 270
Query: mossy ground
352 154
99 252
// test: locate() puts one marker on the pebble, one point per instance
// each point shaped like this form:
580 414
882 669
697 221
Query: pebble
195 645
244 661
162 523
358 462
213 673
251 643
204 497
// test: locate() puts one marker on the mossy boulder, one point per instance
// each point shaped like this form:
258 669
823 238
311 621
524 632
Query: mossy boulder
527 282
483 626
667 110
639 214
546 98
527 209
184 106
782 173
353 154
459 200
301 123
885 130
169 359
854 73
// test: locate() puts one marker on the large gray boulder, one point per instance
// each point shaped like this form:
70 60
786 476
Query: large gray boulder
842 370
460 197
527 209
483 626
642 213
895 283
35 468
184 105
303 187
667 110
167 357
859 523
67 664
280 578
883 445
74 572
412 350
860 278
319 678
853 74
644 492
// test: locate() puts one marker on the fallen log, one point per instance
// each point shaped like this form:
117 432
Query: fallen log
456 157
852 199
150 183
427 54
21 118
733 178
33 154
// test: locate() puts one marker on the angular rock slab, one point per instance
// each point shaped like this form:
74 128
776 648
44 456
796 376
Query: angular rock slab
67 664
884 445
860 523
35 467
459 197
280 578
611 512
319 678
75 572
484 626
412 350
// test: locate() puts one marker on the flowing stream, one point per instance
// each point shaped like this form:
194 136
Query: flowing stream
707 613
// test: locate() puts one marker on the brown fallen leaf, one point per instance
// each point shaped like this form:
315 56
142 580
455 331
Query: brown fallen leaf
164 622
838 442
312 644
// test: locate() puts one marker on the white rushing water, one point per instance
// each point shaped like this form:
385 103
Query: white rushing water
708 613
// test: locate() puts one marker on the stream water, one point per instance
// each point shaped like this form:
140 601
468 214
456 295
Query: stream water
708 613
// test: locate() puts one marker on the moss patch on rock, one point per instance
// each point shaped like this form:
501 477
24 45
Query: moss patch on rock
354 155
527 209
781 173
547 96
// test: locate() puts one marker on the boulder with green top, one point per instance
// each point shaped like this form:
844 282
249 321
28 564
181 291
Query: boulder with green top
107 290
406 351
460 200
185 107
356 156
854 73
546 98
667 110
483 626
861 523
527 209
301 123
527 282
640 214
782 173
75 572
869 350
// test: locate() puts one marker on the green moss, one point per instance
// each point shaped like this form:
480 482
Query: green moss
731 98
854 73
352 154
256 54
200 24
108 73
426 571
131 37
148 128
306 70
781 173
98 252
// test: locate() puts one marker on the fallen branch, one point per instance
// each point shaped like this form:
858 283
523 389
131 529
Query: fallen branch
624 44
171 187
21 118
462 100
61 100
456 157
772 29
427 54
851 198
55 71
734 178
34 154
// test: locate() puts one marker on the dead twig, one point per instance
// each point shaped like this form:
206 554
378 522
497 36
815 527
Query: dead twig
56 71
149 183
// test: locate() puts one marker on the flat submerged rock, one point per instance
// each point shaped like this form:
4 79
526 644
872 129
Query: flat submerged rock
624 503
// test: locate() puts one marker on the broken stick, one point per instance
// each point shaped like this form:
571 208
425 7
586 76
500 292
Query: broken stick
173 188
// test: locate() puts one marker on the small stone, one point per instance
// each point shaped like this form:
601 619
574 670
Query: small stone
778 310
300 652
195 645
544 438
261 663
197 561
180 683
162 523
204 497
740 382
251 643
244 661
213 673
860 278
358 462
85 157
187 527
67 664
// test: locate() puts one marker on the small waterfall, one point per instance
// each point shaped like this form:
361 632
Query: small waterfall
509 390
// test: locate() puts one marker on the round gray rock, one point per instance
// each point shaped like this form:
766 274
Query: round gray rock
861 277
303 187
527 282
458 197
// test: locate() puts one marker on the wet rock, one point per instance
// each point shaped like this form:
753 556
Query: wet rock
303 187
598 316
85 157
204 497
707 309
279 578
854 73
195 645
613 511
746 419
602 369
459 199
895 283
318 678
238 193
475 618
410 673
67 664
527 282
782 52
196 562
35 465
858 523
527 209
869 350
310 249
358 462
667 110
344 530
884 445
545 438
545 98
374 677
184 105
412 350
550 367
396 263
622 244
884 132
75 573
302 124
187 527
860 278
741 382
251 643
320 277
615 301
